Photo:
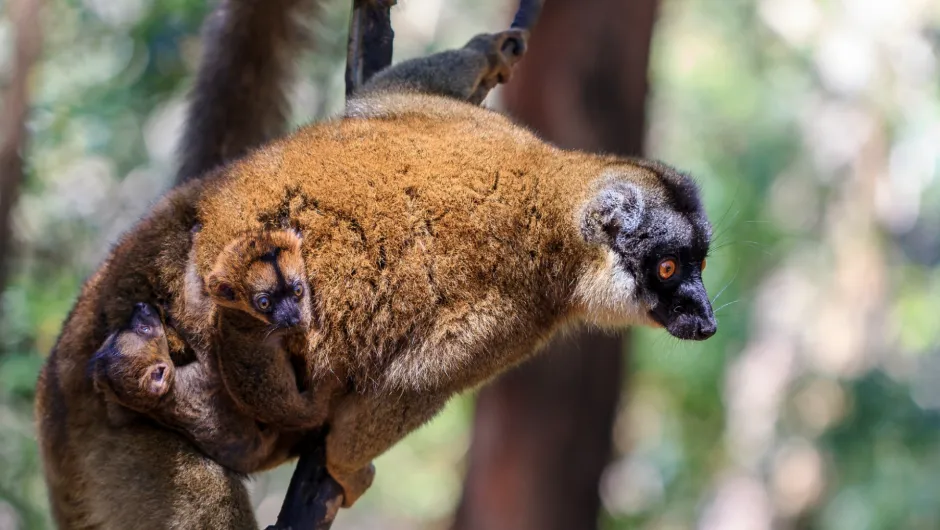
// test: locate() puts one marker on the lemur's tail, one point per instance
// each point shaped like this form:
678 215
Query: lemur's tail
239 100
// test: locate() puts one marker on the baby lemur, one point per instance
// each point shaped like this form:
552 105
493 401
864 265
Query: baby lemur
133 366
133 369
444 245
259 286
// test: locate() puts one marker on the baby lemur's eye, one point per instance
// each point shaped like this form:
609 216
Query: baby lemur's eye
298 289
144 330
667 268
263 302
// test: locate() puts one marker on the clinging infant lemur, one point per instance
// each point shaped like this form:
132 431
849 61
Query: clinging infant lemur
133 369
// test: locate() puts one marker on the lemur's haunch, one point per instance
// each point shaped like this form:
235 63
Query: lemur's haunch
441 246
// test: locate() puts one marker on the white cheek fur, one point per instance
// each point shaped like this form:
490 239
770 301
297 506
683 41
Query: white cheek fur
606 294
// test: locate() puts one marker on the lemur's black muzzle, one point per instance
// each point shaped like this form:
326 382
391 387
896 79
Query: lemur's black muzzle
688 315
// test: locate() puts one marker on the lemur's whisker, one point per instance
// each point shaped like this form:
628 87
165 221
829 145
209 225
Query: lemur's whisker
733 277
726 305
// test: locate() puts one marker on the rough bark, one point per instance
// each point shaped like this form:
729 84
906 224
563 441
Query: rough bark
542 434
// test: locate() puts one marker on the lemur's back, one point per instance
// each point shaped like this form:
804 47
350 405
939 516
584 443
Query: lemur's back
434 218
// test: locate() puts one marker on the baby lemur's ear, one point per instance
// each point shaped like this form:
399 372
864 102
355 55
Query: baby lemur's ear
219 287
296 239
616 208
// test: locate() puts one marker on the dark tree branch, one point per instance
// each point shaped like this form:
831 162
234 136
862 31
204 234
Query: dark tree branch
24 15
313 498
370 41
527 14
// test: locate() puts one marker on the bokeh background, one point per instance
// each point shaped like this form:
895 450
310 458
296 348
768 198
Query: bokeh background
813 127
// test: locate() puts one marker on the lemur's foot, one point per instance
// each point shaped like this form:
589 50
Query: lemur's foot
503 50
354 484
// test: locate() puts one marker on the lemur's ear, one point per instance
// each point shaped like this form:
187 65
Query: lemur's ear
295 238
220 288
616 208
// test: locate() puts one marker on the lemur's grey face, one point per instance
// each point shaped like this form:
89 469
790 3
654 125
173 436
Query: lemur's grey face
660 236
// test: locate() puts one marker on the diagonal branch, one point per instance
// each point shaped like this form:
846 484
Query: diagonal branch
527 14
313 498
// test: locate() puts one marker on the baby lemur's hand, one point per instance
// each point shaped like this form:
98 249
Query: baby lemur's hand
503 50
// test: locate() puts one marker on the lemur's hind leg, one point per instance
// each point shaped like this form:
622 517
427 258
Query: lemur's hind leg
467 73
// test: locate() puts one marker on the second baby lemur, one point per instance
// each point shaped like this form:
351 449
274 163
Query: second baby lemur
444 245
133 369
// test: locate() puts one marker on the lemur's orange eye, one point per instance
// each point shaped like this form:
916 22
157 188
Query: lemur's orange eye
703 265
298 290
667 268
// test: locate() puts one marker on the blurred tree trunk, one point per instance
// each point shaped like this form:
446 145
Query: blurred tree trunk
24 19
542 434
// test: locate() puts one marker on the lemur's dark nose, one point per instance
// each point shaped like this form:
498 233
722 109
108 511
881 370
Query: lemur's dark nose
706 329
292 317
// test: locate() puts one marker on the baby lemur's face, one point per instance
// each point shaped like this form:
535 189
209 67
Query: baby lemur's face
656 237
134 363
263 275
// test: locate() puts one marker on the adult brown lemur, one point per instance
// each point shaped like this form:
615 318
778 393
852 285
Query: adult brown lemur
446 244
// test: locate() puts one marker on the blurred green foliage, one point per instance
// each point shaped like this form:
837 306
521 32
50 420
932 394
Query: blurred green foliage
814 129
